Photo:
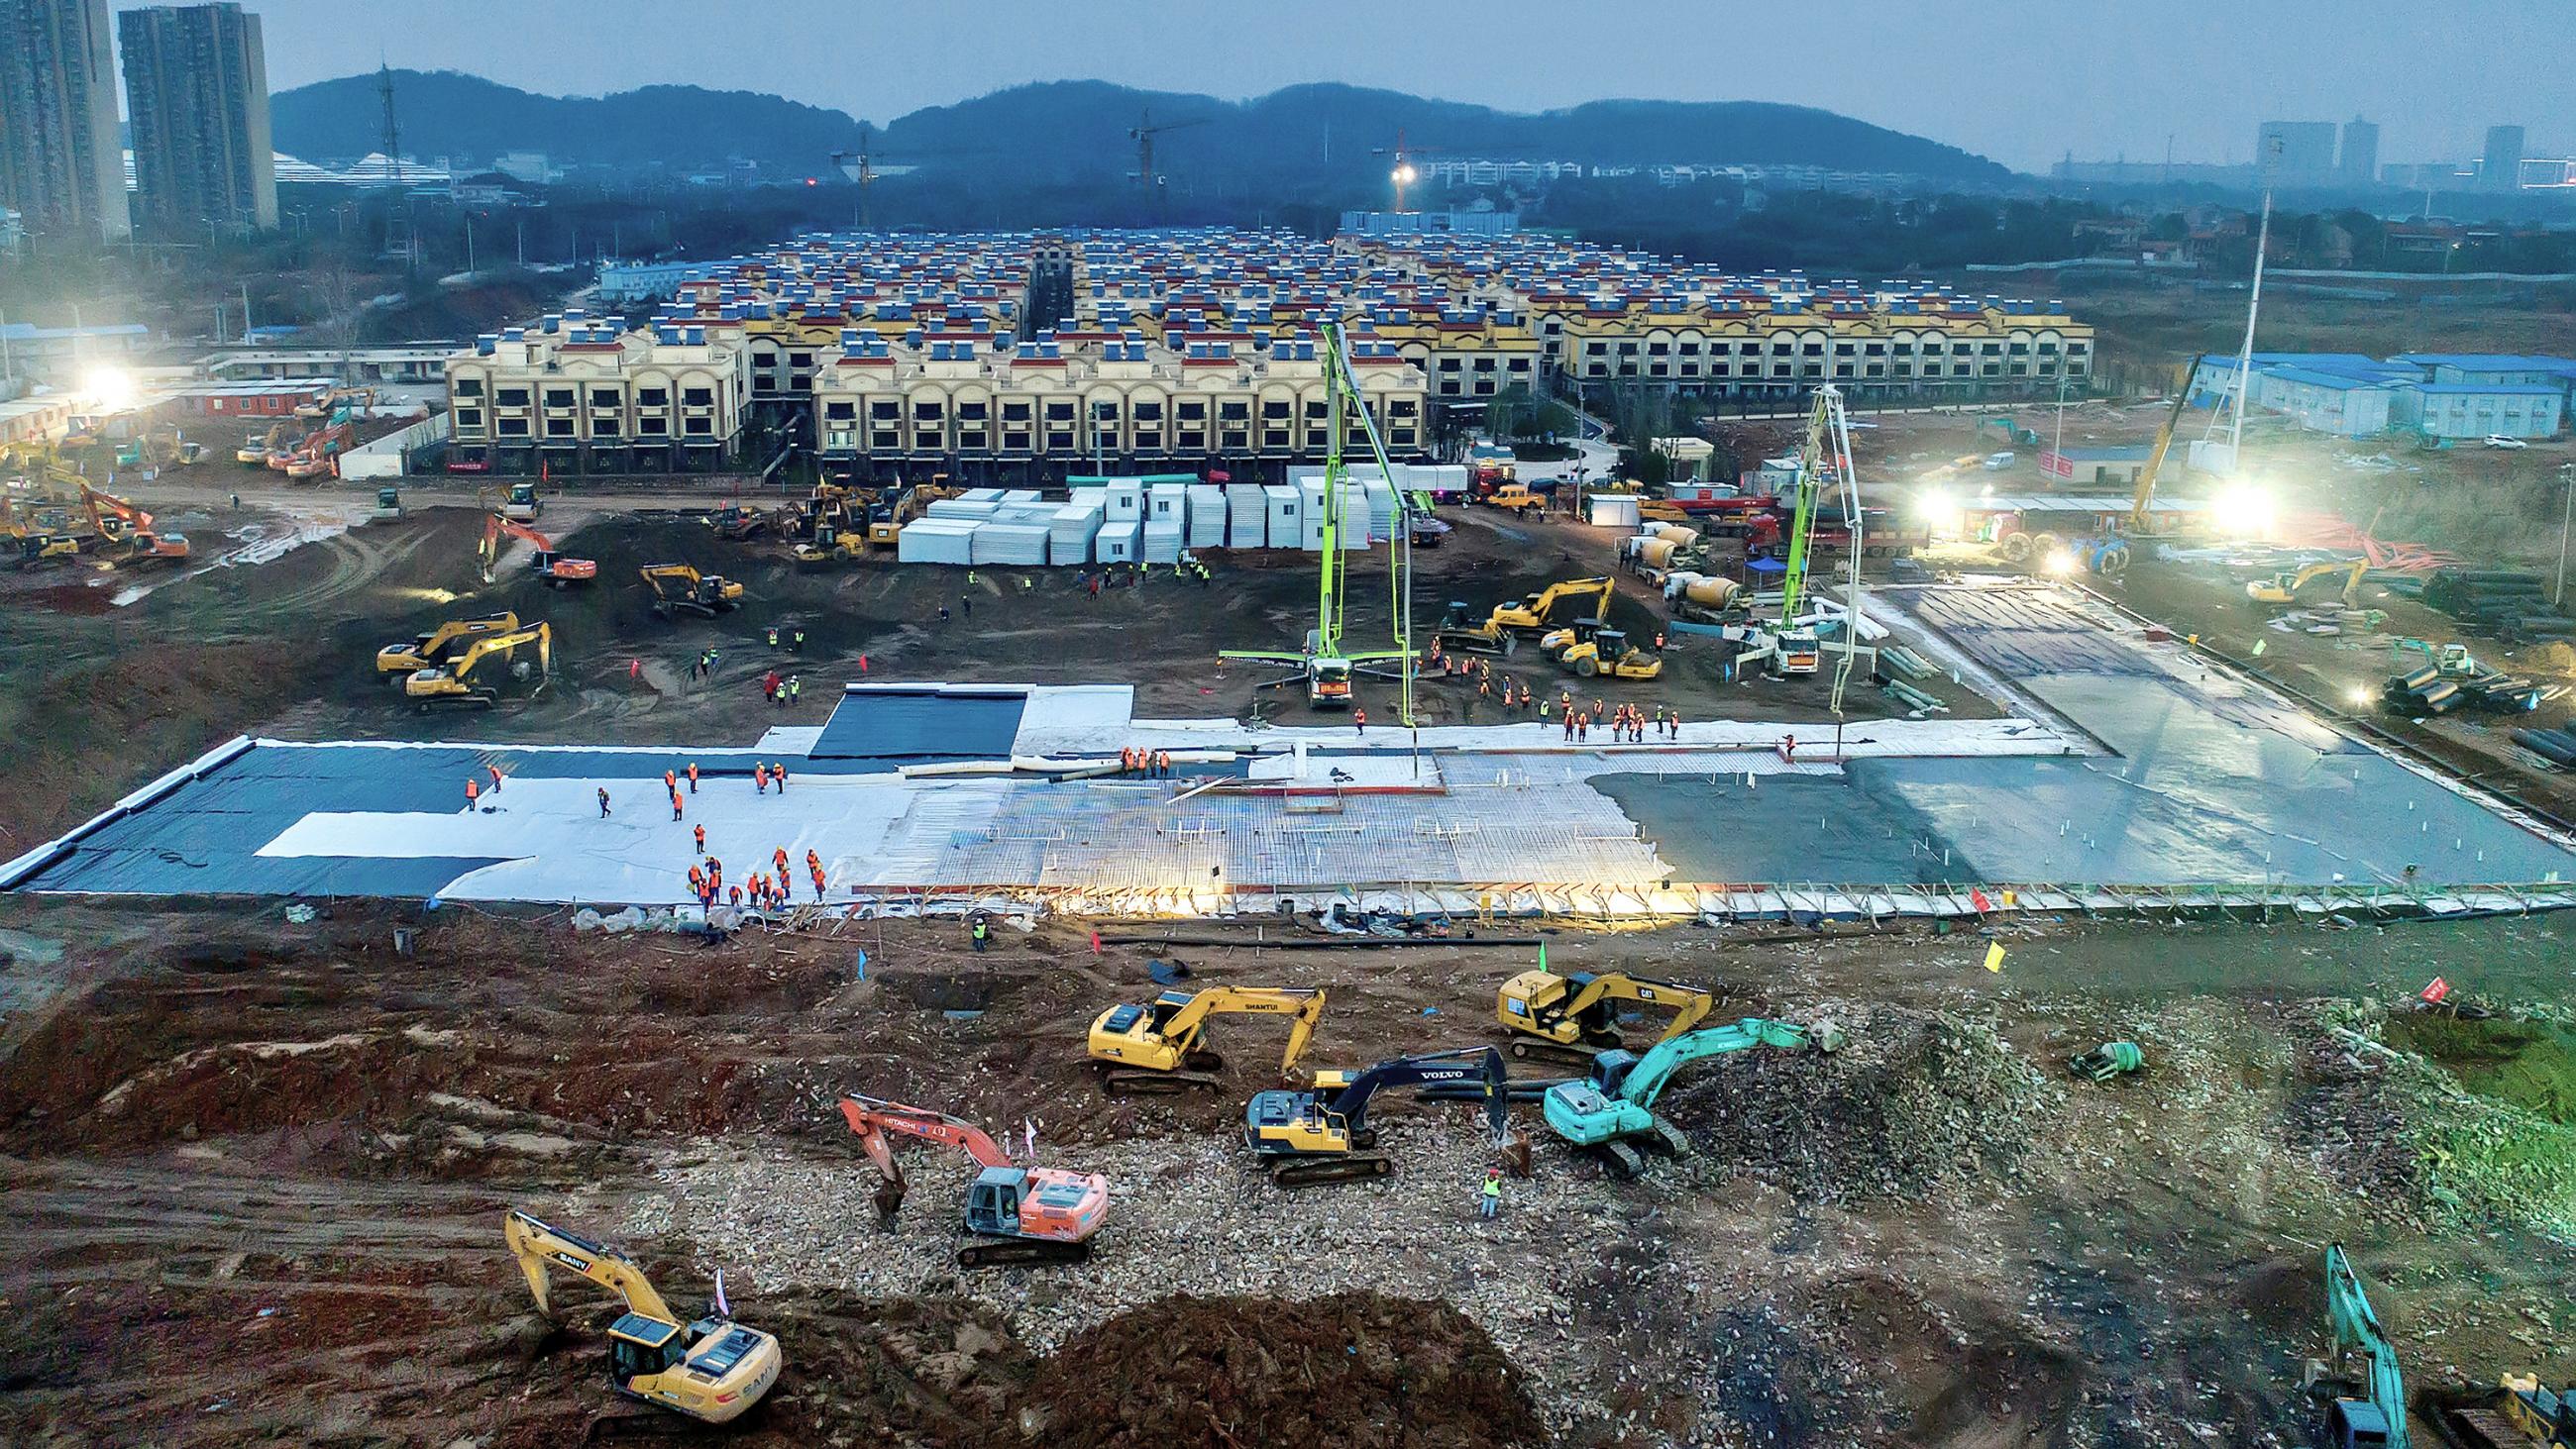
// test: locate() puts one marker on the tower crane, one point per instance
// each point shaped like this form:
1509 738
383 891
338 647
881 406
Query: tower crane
1143 134
1403 173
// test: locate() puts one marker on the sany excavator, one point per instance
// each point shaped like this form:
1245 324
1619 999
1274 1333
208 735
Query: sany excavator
403 657
680 589
1159 1047
452 685
556 569
1609 1111
1323 1135
1019 1214
1577 1013
2376 1419
711 1369
2282 590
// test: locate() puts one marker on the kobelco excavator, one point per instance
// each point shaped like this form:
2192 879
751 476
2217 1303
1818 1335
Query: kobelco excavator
1018 1214
1576 1014
1323 1135
1611 1112
1160 1046
711 1369
2364 1410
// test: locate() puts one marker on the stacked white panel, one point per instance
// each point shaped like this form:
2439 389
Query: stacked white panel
972 509
1285 514
1022 544
1162 542
1207 516
1245 525
1073 528
937 541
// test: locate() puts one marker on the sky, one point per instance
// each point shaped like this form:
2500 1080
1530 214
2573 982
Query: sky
2022 81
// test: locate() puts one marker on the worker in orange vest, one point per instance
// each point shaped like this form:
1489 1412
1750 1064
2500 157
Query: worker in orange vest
1359 720
693 777
760 777
471 791
778 857
702 838
496 778
670 782
675 804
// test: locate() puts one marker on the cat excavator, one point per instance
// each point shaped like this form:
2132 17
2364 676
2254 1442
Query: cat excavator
1323 1135
556 569
1017 1214
711 1369
2364 1410
1576 1014
680 589
452 686
1611 1112
1160 1046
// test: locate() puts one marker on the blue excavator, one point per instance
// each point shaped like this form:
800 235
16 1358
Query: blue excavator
1323 1135
2364 1409
1611 1113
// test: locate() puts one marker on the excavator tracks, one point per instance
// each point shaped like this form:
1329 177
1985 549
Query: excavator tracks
1316 1171
1015 1252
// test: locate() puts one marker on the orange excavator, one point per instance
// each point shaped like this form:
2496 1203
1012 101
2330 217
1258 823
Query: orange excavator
557 570
129 530
1017 1214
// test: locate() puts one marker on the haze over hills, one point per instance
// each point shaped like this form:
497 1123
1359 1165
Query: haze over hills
1068 130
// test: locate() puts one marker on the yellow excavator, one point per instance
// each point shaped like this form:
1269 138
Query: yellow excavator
423 651
1160 1046
1608 654
1531 614
1576 1014
1322 1135
680 589
452 686
2281 591
711 1369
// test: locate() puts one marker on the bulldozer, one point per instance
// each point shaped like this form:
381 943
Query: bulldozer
452 685
1018 1214
1609 655
2282 590
1576 1014
711 1369
1160 1046
679 588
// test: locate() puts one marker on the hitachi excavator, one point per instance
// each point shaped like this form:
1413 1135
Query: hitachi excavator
453 686
2364 1410
1018 1214
1577 1014
680 589
403 657
128 529
1323 1135
1611 1112
1160 1046
556 569
2282 590
711 1369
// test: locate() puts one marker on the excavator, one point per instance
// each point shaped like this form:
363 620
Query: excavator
557 570
1160 1046
338 399
1612 1108
2282 590
680 589
255 449
711 1370
1575 1014
2356 1411
318 456
1609 655
452 685
1018 1214
422 651
121 523
887 516
1531 614
1323 1135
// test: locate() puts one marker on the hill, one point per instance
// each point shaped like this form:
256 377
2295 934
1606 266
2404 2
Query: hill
1074 130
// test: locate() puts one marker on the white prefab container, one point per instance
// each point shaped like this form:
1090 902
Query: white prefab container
1168 503
1207 516
1126 501
1286 515
1613 510
1162 543
1116 542
1435 477
1381 508
936 541
1245 525
1310 515
1022 544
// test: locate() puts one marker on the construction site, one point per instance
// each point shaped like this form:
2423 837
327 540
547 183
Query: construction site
544 963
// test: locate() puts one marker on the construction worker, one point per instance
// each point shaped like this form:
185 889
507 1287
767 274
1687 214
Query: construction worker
773 636
693 777
1583 728
1163 763
795 688
967 602
800 641
759 778
813 863
675 804
1493 1194
701 838
943 613
697 882
1359 720
603 802
818 884
980 932
1542 711
495 772
1569 725
733 897
471 791
778 776
778 857
769 686
671 782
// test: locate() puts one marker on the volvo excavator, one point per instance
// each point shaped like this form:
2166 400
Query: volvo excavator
1323 1135
1017 1214
1611 1113
556 569
680 589
711 1369
2367 1409
452 685
1160 1046
421 651
1577 1014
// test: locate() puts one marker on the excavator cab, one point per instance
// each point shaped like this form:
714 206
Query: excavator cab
639 1346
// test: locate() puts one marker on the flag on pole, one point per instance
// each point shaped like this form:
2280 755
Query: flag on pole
723 1309
2435 992
1994 955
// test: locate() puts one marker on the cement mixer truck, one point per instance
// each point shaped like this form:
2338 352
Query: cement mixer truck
1654 555
1707 598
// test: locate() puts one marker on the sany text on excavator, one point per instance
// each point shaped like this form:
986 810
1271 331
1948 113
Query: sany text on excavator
711 1369
1577 1014
1323 1135
1613 1108
1018 1214
452 685
556 569
1158 1047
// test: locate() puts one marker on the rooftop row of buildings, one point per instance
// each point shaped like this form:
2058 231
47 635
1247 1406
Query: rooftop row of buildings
2436 397
196 100
1185 345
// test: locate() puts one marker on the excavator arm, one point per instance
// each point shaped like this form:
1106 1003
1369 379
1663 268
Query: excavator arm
1305 1008
1472 1064
873 1118
1646 1081
2379 1419
540 1247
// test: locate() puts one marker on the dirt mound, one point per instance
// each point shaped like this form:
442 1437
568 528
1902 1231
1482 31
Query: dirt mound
1910 1105
1351 1369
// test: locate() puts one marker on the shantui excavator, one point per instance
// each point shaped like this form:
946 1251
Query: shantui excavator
255 448
1323 1135
2282 590
1161 1046
1529 614
452 685
1576 1014
556 569
1611 1113
403 657
1017 1214
680 589
2356 1411
711 1369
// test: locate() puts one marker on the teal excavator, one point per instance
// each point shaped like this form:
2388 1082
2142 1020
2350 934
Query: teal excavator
1611 1111
2364 1410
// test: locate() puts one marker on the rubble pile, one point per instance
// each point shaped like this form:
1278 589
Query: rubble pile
1911 1105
